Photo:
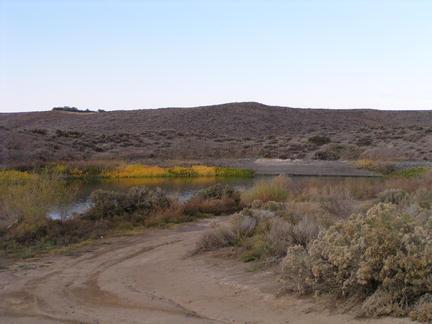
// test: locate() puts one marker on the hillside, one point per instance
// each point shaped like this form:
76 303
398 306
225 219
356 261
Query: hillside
234 130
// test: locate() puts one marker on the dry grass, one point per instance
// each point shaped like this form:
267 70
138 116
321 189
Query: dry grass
26 197
378 165
274 190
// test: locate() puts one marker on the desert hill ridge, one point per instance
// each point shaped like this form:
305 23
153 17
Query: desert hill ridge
231 130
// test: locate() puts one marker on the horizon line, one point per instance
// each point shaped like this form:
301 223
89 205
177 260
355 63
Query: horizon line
95 110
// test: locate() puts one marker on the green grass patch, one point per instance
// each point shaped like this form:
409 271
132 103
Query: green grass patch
410 172
234 172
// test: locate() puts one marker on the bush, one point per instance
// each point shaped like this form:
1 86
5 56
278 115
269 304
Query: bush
27 239
319 140
392 196
60 233
137 203
244 224
173 214
337 202
71 109
197 206
382 258
326 155
364 141
422 310
423 197
39 131
218 191
338 151
279 237
297 270
217 238
304 232
260 234
218 199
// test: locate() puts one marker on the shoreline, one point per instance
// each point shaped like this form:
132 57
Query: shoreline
274 167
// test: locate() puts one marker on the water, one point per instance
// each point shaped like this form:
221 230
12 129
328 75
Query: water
179 188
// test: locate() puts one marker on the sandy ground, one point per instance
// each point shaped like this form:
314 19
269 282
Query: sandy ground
150 278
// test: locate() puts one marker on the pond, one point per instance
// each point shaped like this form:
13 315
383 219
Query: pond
179 188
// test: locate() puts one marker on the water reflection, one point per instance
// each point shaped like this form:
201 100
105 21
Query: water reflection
179 188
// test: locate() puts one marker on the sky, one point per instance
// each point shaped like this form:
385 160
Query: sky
147 54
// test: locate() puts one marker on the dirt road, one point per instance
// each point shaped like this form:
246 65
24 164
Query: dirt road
150 278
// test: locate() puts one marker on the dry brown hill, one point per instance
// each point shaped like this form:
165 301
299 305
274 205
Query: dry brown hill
233 130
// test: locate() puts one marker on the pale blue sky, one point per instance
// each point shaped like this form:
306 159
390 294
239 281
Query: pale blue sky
147 54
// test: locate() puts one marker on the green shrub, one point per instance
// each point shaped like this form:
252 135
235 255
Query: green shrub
234 172
410 172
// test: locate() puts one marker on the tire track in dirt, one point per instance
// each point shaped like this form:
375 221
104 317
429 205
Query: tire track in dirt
151 278
27 301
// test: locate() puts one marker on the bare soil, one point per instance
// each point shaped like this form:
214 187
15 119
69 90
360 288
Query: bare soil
151 278
235 130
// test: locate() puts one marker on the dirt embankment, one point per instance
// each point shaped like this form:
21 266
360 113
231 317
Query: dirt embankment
299 167
151 278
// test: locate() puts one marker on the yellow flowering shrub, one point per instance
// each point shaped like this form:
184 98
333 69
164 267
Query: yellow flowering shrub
8 176
148 171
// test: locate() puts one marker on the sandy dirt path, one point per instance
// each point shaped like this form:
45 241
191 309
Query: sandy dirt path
150 278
